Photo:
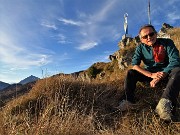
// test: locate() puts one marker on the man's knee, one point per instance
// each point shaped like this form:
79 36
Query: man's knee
132 72
175 73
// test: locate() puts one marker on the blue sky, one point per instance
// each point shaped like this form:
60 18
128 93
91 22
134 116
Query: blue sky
46 37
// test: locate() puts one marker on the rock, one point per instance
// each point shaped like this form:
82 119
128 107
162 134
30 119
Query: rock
137 40
112 57
166 26
101 75
163 31
124 42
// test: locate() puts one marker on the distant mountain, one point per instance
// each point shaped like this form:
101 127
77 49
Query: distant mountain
14 91
29 79
3 85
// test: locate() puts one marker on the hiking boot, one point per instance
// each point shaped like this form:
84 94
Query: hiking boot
125 105
164 109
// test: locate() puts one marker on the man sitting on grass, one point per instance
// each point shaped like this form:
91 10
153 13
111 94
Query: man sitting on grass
162 62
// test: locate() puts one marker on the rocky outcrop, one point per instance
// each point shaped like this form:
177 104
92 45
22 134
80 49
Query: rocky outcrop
125 42
137 40
163 31
165 27
123 60
84 76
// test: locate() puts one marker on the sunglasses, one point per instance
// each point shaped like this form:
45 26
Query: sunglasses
150 35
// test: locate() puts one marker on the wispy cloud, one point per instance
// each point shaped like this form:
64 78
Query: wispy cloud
49 25
70 22
63 57
92 31
17 56
87 46
62 39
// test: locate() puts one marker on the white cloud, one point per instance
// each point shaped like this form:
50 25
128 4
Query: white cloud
64 56
49 25
87 46
43 59
70 22
16 68
62 39
18 57
92 29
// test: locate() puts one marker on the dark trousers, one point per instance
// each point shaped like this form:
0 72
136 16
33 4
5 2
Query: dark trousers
171 91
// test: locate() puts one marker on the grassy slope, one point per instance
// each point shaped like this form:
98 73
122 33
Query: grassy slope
65 105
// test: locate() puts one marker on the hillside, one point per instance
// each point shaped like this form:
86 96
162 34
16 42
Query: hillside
84 103
14 91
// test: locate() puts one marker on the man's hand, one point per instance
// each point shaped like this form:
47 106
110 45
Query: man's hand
154 82
158 75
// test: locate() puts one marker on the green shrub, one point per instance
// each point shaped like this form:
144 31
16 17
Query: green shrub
93 71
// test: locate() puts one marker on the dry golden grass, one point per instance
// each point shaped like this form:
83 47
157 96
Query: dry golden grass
59 105
64 105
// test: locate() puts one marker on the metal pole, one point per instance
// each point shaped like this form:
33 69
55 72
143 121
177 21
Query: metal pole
149 15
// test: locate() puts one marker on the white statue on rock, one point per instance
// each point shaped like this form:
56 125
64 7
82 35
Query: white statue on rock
125 23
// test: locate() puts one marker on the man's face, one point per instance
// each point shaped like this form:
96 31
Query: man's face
148 36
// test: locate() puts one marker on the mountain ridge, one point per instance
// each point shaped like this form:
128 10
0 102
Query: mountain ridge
3 85
29 79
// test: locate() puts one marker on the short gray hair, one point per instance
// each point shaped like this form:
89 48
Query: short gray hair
146 26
